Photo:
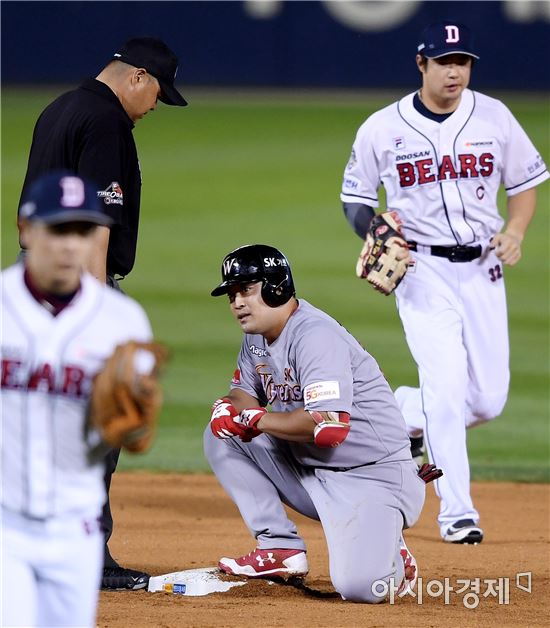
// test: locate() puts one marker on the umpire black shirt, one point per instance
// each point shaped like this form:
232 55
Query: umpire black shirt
88 132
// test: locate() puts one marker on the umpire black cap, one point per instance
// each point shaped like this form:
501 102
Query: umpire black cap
155 56
254 263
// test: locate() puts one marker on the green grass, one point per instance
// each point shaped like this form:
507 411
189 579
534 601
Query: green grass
234 169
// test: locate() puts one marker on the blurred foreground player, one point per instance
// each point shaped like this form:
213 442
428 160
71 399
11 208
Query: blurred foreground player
59 324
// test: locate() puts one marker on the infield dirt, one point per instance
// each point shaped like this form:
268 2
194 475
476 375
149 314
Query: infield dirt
166 523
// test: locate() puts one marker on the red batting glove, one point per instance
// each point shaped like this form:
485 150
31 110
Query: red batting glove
248 419
429 472
222 421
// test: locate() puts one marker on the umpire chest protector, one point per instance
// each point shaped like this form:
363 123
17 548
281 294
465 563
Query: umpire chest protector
258 262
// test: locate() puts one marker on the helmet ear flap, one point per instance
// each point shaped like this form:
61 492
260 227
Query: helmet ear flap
275 295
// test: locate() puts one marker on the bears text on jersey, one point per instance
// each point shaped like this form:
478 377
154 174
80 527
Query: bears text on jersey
422 171
72 382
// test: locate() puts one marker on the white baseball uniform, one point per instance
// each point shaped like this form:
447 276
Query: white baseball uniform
52 484
442 178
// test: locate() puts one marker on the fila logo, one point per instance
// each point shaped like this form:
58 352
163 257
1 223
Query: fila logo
262 561
228 265
453 34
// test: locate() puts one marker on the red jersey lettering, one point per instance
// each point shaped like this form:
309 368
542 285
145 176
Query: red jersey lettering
421 170
73 376
486 164
447 168
10 369
406 174
424 175
468 165
42 379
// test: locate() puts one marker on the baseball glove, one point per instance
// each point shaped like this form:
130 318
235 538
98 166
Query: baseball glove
126 396
384 258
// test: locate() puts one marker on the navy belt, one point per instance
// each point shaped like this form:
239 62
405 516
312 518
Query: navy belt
452 253
343 469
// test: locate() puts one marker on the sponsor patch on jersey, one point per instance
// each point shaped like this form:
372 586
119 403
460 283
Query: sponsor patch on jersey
479 143
259 351
399 143
112 195
321 391
236 377
536 164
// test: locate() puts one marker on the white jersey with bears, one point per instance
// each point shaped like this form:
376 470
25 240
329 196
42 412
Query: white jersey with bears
48 364
442 177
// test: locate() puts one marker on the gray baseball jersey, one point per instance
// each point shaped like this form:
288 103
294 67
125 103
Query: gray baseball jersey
364 491
317 364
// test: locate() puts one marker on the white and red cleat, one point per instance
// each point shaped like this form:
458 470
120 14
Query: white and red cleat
411 572
267 563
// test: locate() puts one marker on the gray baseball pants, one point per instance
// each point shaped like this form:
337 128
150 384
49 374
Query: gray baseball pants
363 511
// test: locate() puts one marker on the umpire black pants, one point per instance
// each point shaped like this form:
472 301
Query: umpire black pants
111 460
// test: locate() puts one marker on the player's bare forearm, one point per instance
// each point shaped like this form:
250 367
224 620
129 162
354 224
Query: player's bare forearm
297 425
521 209
97 263
241 400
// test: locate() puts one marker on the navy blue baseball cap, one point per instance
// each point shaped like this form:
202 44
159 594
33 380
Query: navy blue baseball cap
61 197
445 38
155 56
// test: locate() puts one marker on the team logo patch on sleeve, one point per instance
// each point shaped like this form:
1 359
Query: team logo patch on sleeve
112 195
536 164
321 391
352 160
236 377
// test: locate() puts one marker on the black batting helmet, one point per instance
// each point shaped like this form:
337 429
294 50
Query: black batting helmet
258 262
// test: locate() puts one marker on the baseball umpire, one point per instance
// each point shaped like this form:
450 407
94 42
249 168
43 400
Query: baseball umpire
441 154
333 445
58 326
89 132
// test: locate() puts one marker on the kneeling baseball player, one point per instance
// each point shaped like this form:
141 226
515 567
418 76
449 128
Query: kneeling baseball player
333 445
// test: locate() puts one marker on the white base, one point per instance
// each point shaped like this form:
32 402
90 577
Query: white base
192 582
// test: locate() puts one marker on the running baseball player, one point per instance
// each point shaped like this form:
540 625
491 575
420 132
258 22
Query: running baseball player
333 445
58 327
441 154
